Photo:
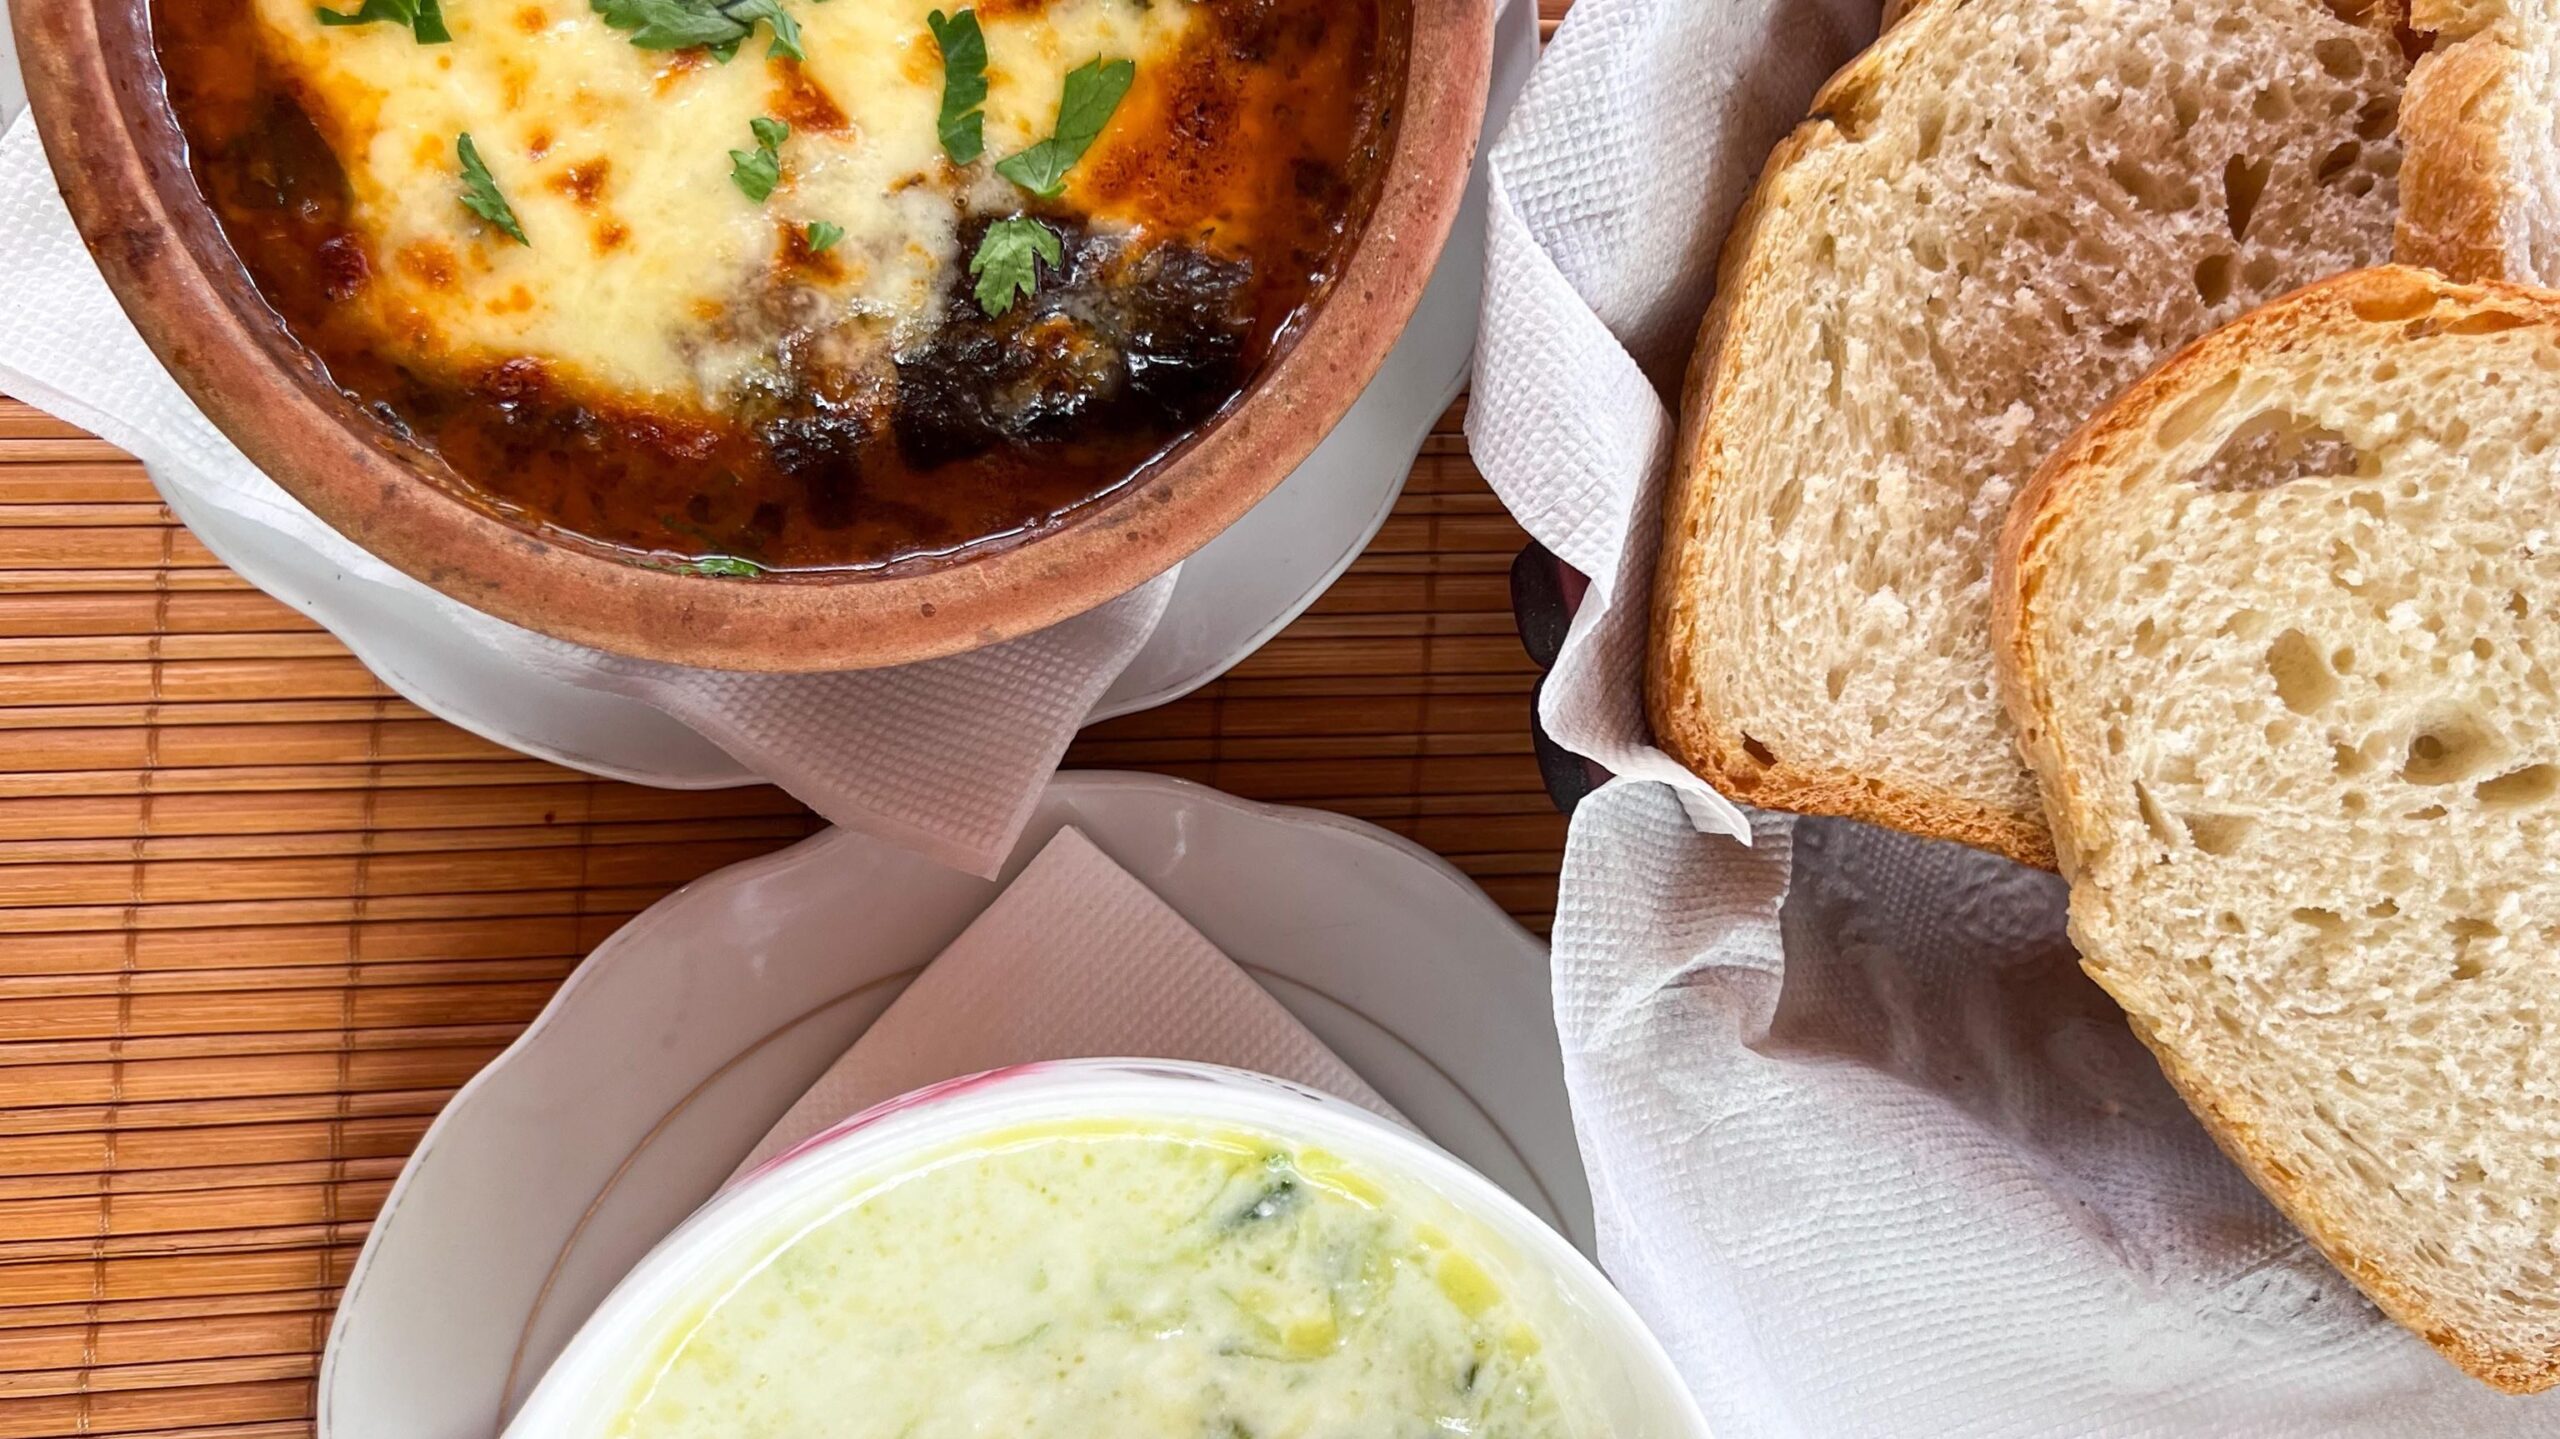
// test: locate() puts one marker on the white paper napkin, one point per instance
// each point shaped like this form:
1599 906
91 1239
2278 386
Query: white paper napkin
1868 1151
1075 960
946 758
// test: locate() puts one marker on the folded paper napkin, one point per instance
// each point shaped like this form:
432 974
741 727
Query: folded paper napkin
1868 1151
1075 960
945 758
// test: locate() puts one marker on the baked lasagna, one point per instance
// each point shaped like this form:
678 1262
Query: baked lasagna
747 286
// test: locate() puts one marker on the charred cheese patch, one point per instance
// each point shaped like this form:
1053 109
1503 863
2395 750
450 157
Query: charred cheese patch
648 273
674 366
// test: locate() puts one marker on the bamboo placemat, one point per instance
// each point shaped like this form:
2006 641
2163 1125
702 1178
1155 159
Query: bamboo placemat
259 916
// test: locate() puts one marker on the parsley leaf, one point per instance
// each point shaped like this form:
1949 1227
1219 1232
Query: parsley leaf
823 236
786 31
480 192
718 26
727 566
964 83
423 18
670 24
1008 261
1093 91
758 170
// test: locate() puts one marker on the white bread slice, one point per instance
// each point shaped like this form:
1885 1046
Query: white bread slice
2480 189
2281 633
2001 214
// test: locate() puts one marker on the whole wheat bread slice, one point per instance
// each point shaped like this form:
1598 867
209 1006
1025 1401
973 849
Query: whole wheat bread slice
2480 191
2281 633
2001 214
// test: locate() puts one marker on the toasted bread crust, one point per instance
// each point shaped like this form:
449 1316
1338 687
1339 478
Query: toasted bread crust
1683 724
2455 178
2505 1370
2333 309
1686 724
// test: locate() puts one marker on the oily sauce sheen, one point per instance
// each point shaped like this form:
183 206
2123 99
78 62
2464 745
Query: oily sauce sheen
769 401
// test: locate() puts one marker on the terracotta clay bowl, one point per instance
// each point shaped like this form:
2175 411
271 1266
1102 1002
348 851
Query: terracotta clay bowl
95 84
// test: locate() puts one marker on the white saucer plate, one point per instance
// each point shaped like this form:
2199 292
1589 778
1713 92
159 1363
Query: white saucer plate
669 1053
1234 595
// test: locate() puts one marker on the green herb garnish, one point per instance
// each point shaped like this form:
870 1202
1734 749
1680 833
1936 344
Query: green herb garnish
964 83
1093 91
1278 1197
822 236
423 18
758 170
718 26
786 31
670 24
480 193
1008 261
726 566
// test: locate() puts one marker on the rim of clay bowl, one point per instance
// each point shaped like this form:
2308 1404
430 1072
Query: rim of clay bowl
94 81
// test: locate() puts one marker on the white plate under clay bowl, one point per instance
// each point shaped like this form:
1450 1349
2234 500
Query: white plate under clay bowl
1233 596
674 1048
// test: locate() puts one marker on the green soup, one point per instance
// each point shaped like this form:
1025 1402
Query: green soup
1106 1282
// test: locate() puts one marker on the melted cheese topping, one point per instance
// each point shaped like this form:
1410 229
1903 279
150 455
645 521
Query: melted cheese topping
649 272
1092 1280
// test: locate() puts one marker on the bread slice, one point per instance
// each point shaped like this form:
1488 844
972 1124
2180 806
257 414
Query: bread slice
2480 192
2001 214
2281 633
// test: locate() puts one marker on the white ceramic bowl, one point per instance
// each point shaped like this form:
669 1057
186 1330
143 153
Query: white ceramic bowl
1622 1371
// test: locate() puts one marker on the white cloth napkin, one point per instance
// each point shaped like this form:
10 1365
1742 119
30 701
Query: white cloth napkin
1075 960
945 758
1868 1151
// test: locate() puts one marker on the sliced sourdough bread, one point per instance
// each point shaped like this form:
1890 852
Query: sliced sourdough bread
2480 190
2281 632
2001 214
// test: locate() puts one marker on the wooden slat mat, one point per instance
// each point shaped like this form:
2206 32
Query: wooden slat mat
259 916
